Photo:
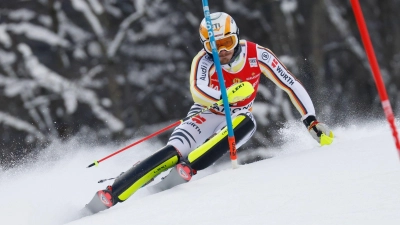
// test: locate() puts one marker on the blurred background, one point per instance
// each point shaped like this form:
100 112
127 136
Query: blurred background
111 70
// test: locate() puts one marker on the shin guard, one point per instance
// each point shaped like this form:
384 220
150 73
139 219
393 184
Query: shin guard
143 172
213 149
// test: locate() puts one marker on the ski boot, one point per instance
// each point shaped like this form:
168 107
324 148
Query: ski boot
102 200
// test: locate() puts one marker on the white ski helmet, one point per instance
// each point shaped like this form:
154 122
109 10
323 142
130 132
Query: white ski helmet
226 33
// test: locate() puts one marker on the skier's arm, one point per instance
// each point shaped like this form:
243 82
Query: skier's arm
272 68
200 81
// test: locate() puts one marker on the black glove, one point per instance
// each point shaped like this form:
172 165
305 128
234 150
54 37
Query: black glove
316 129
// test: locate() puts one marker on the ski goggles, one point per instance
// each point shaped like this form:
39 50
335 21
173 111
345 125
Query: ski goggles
227 43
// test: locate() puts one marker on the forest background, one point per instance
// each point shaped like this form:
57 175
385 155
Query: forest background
114 70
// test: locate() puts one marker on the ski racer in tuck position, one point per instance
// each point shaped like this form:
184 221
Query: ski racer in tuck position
199 142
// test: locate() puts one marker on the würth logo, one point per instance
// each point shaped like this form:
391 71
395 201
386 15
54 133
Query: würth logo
198 119
274 63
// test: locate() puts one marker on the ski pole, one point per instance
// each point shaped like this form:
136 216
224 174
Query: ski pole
237 93
231 135
156 133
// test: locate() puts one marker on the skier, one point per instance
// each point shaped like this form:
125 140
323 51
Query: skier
199 142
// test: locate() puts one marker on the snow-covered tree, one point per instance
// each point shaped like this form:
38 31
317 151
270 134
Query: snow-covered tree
112 69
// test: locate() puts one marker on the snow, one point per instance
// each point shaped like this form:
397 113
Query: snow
288 6
97 7
94 22
87 78
353 181
4 37
343 27
38 33
22 14
7 58
261 112
19 124
111 9
94 49
115 44
78 34
45 20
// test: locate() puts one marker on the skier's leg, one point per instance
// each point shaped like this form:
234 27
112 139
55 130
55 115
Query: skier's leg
206 154
133 179
185 138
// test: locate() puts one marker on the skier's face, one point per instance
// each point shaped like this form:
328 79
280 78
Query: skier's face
225 56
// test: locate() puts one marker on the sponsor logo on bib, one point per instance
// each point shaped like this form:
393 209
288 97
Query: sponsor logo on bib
253 62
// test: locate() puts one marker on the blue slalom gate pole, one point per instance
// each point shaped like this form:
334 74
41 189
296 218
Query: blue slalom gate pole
231 136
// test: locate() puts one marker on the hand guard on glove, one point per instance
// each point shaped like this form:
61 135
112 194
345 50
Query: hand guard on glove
319 131
238 92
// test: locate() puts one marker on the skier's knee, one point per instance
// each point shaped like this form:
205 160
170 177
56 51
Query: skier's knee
218 145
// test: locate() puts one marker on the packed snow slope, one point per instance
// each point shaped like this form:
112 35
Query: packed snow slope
356 180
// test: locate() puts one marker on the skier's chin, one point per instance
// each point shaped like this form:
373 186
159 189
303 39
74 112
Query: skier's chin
225 57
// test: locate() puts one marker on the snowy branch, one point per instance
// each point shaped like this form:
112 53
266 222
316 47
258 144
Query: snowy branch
124 27
19 124
81 6
70 91
37 33
4 37
342 26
